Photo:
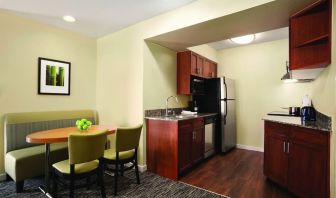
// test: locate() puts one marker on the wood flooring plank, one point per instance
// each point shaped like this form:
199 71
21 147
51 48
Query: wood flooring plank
236 174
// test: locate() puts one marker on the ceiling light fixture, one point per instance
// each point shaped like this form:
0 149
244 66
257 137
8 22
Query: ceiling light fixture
69 18
243 39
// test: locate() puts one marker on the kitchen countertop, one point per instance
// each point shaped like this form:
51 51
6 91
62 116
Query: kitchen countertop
296 121
177 118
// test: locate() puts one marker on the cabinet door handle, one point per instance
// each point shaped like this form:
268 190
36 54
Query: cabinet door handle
287 147
284 147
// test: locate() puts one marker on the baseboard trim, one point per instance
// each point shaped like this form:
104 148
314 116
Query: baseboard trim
251 148
2 176
142 168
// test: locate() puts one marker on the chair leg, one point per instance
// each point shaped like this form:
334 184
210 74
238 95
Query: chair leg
136 165
19 186
122 169
101 180
136 171
55 187
88 183
72 180
116 179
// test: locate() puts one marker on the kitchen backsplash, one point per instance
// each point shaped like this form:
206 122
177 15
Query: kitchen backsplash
323 120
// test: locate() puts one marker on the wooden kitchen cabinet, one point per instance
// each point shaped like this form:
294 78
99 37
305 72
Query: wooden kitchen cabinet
276 159
190 63
185 135
200 62
209 69
310 36
173 147
297 158
197 139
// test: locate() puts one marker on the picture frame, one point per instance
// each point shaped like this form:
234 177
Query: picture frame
53 76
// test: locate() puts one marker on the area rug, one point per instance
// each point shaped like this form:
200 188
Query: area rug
151 186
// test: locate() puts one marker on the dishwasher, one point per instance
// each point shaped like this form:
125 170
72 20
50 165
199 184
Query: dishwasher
209 136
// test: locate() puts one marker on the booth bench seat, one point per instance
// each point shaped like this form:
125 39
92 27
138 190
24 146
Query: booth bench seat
24 160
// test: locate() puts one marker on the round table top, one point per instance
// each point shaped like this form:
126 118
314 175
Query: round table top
62 134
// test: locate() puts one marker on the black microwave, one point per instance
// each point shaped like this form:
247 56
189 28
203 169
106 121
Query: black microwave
197 86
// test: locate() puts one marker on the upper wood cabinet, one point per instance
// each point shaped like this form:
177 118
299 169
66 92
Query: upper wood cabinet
209 69
310 37
190 63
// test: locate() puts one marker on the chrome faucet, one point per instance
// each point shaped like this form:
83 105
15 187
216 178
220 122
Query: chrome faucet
168 101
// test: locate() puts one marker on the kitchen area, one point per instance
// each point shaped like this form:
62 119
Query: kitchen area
242 101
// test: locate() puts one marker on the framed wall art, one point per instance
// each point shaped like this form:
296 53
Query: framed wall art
53 77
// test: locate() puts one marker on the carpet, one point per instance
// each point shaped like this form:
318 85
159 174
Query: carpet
151 186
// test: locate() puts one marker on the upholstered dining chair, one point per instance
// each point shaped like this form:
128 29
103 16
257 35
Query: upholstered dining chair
85 159
126 151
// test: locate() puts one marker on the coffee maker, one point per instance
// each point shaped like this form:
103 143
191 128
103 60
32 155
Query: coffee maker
308 112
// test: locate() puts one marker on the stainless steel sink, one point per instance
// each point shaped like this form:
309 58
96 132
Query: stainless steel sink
180 116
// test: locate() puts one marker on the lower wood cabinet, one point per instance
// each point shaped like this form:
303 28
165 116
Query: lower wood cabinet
174 146
297 158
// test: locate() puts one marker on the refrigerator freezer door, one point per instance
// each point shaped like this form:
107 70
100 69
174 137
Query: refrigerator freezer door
228 125
227 88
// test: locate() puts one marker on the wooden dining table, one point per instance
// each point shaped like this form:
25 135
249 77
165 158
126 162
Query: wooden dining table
55 136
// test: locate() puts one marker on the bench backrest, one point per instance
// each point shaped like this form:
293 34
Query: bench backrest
18 125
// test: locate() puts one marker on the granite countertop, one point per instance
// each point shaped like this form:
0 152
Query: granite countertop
179 117
296 121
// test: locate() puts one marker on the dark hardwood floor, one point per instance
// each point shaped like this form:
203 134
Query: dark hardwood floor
238 173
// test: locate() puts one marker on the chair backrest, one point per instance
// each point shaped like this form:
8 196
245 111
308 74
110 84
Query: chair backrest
86 147
18 125
128 138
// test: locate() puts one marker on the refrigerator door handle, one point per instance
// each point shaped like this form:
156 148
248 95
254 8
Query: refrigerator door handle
222 89
225 86
225 108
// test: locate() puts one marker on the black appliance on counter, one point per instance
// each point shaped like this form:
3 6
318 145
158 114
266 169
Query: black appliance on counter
282 113
219 97
308 113
197 85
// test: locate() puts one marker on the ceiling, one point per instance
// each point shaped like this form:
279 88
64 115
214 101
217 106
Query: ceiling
261 37
95 18
266 17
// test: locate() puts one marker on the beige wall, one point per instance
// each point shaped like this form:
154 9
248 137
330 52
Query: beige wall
160 77
324 97
123 56
206 51
257 70
21 43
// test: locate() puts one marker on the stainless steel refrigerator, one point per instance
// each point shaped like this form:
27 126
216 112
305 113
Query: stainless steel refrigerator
220 97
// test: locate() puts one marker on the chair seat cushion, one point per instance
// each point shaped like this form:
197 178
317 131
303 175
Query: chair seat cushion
110 154
17 162
64 166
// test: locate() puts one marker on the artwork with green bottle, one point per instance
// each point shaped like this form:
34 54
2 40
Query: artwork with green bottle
54 77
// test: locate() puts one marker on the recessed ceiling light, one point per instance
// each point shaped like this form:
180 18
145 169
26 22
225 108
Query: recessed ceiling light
243 39
69 18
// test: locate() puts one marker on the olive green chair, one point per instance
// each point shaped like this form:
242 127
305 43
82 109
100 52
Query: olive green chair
85 159
126 151
21 156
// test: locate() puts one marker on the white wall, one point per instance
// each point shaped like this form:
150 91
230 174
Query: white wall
257 70
22 41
